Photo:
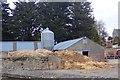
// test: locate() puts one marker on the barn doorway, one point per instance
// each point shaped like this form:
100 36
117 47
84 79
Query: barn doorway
85 53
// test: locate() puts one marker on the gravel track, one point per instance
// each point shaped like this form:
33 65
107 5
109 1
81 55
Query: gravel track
101 73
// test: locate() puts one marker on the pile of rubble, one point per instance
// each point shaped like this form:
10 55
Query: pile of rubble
45 59
74 60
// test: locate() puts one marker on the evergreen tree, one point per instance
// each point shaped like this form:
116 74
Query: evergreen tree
6 31
53 15
82 21
25 21
67 20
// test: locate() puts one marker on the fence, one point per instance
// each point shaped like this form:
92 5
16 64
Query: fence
19 45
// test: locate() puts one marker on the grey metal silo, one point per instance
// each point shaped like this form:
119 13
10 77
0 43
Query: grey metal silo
47 39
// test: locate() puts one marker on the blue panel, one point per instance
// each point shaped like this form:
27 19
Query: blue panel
39 45
6 46
0 46
25 45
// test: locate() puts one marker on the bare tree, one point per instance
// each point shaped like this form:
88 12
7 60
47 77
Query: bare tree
101 29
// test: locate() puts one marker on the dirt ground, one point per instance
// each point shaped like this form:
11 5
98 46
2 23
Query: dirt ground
99 73
105 73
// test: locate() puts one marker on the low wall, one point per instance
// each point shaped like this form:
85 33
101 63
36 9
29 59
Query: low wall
33 63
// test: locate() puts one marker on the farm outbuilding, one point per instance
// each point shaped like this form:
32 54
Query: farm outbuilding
84 46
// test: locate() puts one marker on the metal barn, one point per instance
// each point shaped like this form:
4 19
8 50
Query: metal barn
84 46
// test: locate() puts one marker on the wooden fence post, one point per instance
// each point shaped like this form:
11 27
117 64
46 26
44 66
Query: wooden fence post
14 45
35 45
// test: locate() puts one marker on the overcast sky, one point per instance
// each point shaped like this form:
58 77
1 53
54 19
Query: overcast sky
105 10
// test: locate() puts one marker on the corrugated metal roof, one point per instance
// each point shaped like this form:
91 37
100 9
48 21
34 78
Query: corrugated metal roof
66 44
